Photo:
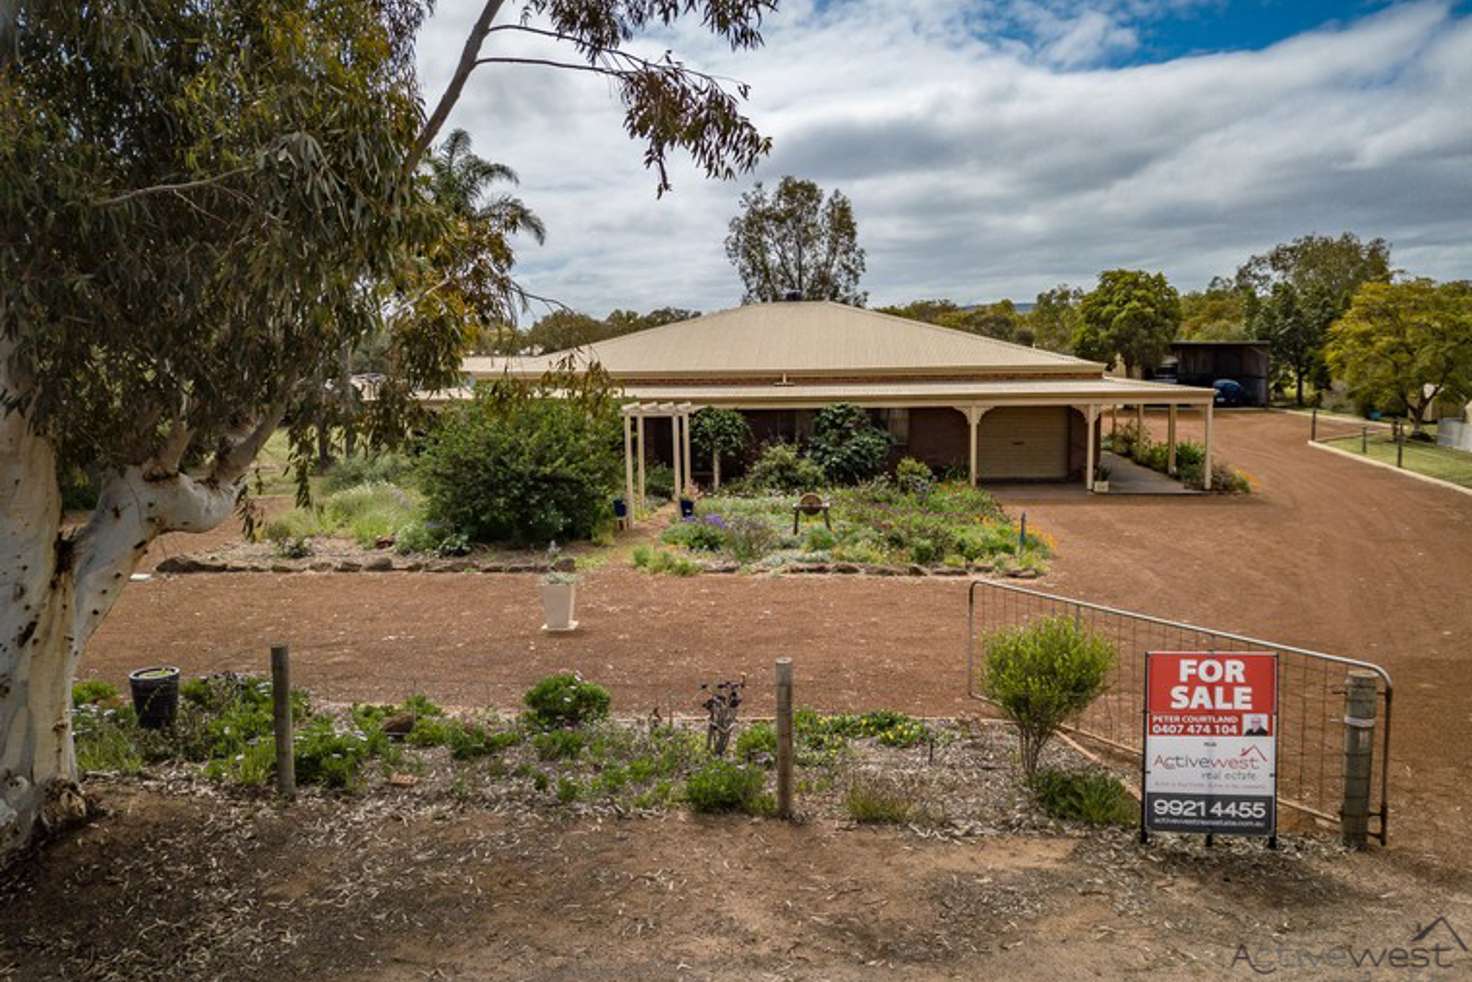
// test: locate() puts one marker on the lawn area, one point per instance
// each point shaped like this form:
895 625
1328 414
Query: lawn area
1429 459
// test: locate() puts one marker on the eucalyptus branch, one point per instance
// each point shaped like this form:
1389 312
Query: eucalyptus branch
171 188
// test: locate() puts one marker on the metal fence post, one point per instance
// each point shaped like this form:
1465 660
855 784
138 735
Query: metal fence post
784 737
1364 439
1400 444
1313 432
281 721
1360 695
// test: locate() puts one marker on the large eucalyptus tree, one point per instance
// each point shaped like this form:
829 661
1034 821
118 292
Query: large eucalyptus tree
201 206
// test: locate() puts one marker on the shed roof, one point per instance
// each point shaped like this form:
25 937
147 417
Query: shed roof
804 338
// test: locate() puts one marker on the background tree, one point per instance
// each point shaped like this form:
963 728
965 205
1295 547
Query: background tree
204 205
1218 313
792 241
1054 318
1131 315
720 433
929 311
1323 272
1405 344
1293 325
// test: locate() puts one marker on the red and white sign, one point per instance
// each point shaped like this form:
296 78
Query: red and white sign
1211 725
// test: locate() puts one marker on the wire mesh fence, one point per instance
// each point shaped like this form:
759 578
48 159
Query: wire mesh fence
1394 443
1311 708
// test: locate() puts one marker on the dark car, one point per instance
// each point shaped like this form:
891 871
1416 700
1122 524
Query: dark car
1229 393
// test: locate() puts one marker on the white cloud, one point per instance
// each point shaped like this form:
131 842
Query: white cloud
984 162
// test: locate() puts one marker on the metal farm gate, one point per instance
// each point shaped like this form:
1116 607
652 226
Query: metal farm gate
1311 707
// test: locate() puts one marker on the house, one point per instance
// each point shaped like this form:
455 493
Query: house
1204 362
986 408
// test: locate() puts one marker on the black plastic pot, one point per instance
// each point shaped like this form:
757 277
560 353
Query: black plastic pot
620 508
155 696
687 507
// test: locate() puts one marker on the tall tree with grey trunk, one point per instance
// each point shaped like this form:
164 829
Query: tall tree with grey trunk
794 243
201 207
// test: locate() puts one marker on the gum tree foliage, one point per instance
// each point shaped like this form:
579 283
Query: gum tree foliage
1317 275
847 445
203 207
1405 344
793 241
1054 317
525 464
1217 313
1131 315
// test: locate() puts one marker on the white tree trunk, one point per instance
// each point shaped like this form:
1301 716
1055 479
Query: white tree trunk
57 589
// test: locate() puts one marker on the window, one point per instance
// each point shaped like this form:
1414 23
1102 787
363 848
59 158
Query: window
897 421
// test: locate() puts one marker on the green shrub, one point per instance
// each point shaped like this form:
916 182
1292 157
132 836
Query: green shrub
106 739
707 534
380 468
781 468
861 551
1095 797
875 799
913 476
299 523
327 757
516 465
820 539
657 561
419 536
757 744
1042 673
370 512
90 692
847 445
722 786
750 537
559 744
925 552
568 790
565 700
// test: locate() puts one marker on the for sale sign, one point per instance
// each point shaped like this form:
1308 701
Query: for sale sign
1211 729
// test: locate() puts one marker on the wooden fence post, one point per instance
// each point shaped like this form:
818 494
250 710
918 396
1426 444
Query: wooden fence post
1360 696
281 721
784 737
1400 444
1313 432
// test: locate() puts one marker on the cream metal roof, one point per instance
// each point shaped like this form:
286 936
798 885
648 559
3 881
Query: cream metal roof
803 339
1017 392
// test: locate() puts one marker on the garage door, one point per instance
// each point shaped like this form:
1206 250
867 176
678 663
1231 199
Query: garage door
1023 442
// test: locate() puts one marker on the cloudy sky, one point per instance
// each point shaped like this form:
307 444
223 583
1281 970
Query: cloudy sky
993 149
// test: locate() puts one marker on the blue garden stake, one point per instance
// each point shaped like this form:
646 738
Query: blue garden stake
1022 534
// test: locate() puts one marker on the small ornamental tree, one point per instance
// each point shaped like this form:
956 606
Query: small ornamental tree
1041 674
204 209
847 445
720 433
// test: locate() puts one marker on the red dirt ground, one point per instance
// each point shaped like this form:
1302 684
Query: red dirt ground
1328 554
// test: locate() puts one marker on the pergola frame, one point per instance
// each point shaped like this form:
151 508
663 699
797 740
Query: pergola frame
634 415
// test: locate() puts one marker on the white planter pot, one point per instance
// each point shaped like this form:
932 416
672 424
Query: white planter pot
1101 487
557 603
